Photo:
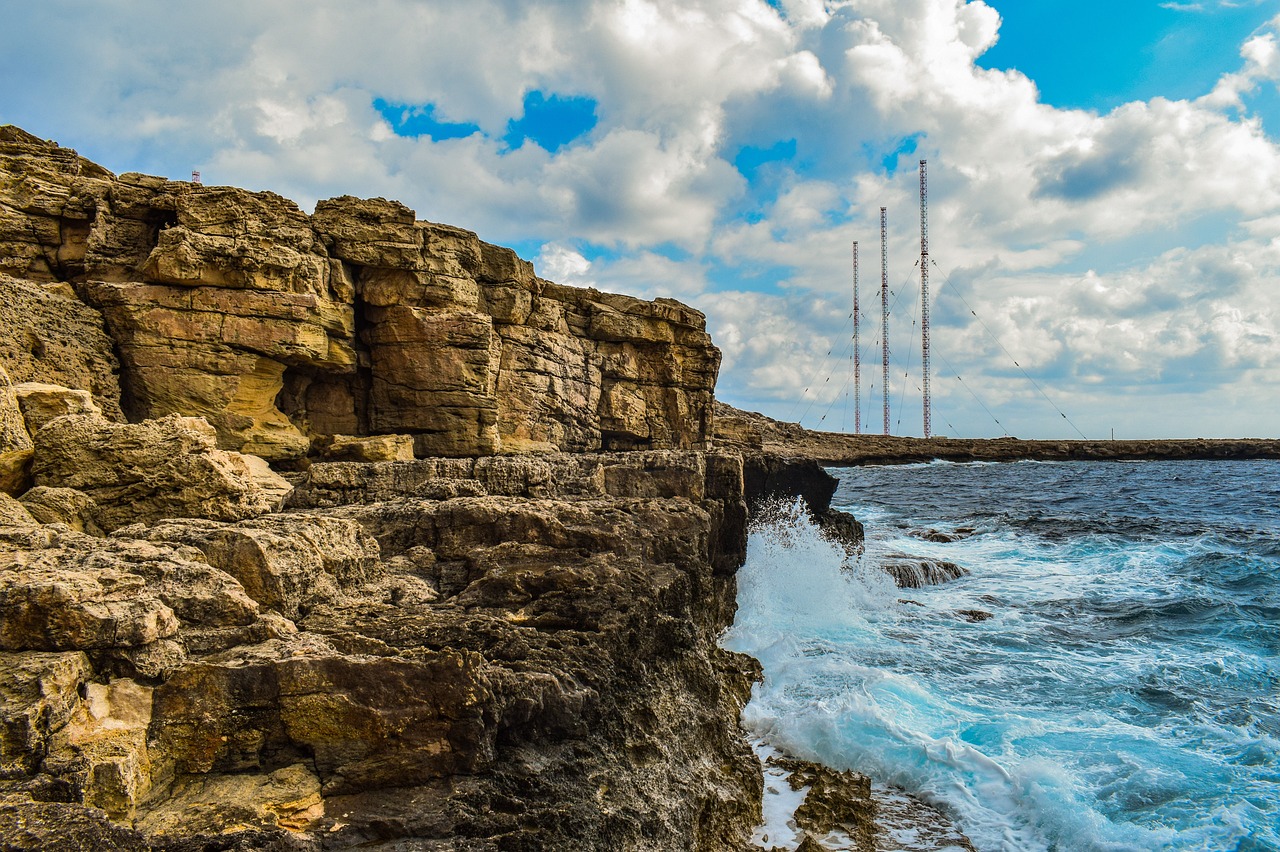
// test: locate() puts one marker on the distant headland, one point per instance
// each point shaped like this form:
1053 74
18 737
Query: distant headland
751 430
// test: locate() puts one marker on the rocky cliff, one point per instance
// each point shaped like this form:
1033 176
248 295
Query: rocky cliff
283 329
456 622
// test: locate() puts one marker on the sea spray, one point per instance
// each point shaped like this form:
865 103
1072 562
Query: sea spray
1122 695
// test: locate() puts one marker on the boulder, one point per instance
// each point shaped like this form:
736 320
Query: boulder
67 506
42 402
14 514
374 448
167 468
913 572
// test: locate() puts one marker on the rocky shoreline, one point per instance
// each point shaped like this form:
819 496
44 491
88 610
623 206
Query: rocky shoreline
347 530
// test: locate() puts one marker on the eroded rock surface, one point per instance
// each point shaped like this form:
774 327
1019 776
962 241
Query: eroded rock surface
491 671
464 621
280 328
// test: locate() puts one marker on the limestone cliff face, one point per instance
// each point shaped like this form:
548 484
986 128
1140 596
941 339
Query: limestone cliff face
280 328
429 637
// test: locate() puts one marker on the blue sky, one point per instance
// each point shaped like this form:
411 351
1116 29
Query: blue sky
1104 177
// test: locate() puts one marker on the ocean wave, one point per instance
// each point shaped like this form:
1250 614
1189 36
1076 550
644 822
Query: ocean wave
1124 693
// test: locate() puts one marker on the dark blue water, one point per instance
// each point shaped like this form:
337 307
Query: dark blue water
1124 692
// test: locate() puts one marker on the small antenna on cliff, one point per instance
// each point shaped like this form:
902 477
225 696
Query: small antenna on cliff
195 177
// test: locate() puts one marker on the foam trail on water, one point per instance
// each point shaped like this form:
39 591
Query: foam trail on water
811 616
1122 692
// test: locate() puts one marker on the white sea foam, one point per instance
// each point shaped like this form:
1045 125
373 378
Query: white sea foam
1040 728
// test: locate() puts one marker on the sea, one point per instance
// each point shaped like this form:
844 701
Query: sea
1104 677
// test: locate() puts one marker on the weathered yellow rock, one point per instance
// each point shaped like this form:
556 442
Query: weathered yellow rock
374 448
39 693
288 797
167 468
14 514
67 506
107 738
238 307
41 402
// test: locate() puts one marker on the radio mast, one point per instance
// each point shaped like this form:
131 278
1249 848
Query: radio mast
884 311
857 382
924 291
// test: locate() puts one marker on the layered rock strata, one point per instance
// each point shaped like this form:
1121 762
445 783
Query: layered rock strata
282 328
432 641
489 658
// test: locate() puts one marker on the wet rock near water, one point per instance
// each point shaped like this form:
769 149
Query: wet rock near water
974 616
914 572
843 811
942 536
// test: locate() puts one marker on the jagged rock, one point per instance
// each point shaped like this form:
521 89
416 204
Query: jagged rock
913 572
238 307
769 478
843 528
167 468
512 651
62 827
40 692
42 402
47 606
102 749
47 335
808 843
657 473
67 506
14 514
941 536
363 722
289 798
973 616
123 596
288 563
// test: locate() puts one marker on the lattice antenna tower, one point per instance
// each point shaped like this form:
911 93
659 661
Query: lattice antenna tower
857 360
884 312
924 291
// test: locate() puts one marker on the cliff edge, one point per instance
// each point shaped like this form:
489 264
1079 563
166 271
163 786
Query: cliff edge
347 530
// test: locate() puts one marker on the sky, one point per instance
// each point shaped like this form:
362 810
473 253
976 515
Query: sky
1103 177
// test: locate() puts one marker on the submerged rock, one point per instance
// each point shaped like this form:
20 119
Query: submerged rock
942 536
973 616
914 572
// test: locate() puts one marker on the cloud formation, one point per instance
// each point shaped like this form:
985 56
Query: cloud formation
737 148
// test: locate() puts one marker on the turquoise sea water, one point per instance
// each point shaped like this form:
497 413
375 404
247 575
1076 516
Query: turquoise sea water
1124 693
